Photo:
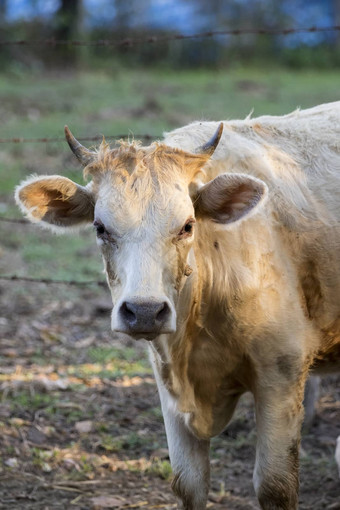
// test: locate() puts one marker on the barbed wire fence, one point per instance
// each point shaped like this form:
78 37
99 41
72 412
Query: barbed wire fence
127 42
152 39
58 139
13 278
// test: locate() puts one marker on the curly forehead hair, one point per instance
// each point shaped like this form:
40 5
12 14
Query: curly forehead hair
158 162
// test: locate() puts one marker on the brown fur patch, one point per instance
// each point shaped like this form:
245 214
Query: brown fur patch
293 456
179 489
289 366
57 200
311 288
278 493
186 496
327 362
111 275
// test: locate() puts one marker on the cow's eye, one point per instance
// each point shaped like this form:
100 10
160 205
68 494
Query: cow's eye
188 228
100 229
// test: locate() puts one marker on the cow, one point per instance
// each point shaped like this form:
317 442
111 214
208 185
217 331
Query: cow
221 246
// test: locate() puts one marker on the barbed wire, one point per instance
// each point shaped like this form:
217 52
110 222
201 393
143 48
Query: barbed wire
15 220
152 39
81 139
48 281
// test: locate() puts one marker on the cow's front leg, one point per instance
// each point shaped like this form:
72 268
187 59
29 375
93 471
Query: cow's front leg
189 456
279 414
189 459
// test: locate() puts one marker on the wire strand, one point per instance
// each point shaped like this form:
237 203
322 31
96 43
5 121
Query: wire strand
154 39
50 281
97 138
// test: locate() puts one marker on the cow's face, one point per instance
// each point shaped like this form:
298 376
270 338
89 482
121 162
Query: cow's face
144 217
145 228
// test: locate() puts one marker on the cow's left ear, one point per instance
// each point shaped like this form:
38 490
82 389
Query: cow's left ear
230 197
55 202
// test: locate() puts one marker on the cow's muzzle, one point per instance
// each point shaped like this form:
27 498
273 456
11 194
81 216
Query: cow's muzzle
144 318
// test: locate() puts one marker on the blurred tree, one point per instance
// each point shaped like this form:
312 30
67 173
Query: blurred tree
4 52
124 12
241 14
67 22
131 14
238 13
67 19
336 13
3 10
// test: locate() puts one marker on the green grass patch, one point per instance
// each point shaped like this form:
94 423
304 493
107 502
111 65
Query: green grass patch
65 259
112 370
33 402
160 468
106 354
132 441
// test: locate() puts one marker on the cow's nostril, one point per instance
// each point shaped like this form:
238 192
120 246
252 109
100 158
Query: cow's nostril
163 312
128 313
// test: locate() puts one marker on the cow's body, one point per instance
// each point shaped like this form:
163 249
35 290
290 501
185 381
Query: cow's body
262 305
267 293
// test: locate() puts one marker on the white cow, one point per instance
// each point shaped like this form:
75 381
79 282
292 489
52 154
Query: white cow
225 256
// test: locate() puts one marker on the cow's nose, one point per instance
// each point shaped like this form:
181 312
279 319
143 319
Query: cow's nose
144 316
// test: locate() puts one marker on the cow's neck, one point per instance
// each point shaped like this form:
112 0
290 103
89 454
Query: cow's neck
195 362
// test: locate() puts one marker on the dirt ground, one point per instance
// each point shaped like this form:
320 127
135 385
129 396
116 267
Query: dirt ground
80 421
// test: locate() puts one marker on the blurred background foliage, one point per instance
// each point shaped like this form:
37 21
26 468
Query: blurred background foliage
91 20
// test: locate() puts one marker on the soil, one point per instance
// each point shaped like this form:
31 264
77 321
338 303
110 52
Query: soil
81 427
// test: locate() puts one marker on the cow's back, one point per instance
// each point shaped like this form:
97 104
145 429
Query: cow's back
301 148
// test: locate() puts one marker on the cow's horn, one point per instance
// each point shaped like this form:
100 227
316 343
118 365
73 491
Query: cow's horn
209 147
84 155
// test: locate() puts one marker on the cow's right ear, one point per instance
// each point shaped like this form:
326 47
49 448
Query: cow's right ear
230 197
55 202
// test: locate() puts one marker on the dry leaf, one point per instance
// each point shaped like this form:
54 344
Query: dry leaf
160 453
70 464
100 502
18 422
85 342
84 427
10 353
50 334
45 466
38 384
12 462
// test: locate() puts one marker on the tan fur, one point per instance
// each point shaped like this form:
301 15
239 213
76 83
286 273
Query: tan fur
156 161
260 303
55 201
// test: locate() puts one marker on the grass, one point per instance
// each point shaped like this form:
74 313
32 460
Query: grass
107 354
161 468
26 400
131 441
112 370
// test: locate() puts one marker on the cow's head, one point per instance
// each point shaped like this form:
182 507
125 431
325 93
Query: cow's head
144 211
